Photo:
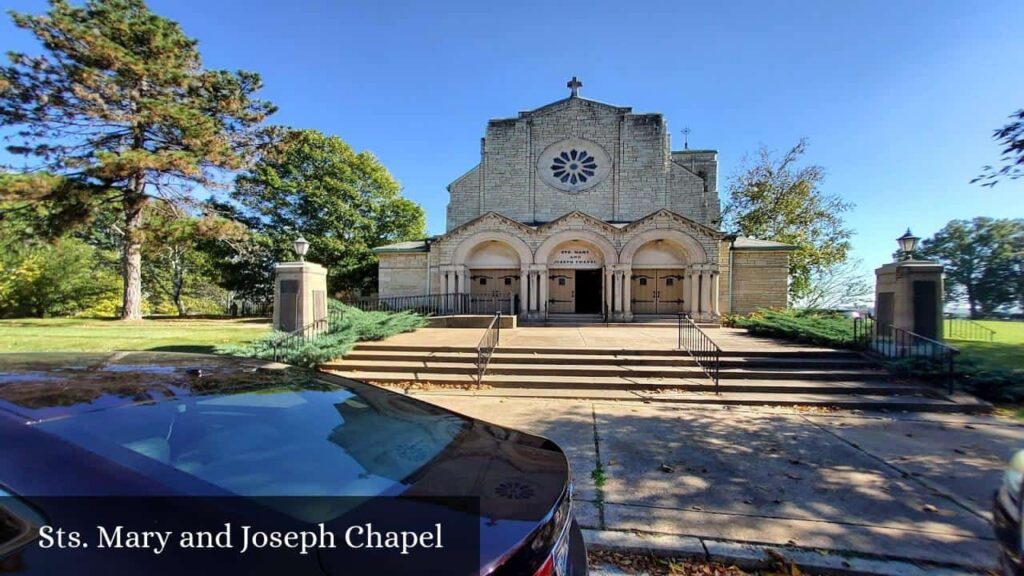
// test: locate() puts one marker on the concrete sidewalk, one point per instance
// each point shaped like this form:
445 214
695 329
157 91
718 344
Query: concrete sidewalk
912 487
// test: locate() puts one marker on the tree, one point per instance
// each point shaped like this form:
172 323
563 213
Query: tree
345 203
119 109
59 279
774 199
177 267
838 285
982 259
1011 138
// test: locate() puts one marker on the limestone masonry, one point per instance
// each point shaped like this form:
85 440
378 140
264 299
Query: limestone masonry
580 207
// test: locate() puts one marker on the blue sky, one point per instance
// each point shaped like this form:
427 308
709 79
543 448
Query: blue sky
898 98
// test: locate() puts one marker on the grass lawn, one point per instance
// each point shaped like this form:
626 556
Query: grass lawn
1006 352
92 335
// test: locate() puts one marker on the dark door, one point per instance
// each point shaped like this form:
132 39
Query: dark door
925 308
588 291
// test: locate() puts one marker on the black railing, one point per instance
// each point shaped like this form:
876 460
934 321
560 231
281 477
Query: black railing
300 337
894 343
485 348
701 347
441 304
964 329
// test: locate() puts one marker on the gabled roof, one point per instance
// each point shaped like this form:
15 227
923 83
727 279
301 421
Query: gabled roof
564 101
410 246
750 244
580 215
665 211
491 214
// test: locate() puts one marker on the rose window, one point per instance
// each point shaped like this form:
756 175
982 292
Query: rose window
573 167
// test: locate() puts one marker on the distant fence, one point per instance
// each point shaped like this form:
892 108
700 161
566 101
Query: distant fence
441 304
248 308
965 329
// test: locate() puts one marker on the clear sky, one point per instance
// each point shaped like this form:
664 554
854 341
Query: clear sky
898 98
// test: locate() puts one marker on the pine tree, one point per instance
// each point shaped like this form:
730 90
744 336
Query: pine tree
119 108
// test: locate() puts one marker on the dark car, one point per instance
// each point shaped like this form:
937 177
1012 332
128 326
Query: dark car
197 425
1006 517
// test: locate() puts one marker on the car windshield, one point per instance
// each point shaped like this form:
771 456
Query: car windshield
308 438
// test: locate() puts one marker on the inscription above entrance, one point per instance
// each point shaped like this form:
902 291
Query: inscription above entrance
576 256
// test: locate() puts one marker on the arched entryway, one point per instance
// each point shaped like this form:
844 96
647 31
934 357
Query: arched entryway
494 270
659 279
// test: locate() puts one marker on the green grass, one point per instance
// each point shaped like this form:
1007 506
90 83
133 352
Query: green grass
92 335
1006 352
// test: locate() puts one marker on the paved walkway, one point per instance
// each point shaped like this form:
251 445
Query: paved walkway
590 337
913 486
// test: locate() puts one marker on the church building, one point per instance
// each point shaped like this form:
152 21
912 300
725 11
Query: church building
581 207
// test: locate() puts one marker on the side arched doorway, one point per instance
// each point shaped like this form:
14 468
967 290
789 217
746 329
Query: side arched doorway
659 282
494 273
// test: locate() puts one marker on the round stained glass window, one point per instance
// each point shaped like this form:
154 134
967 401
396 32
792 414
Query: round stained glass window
573 165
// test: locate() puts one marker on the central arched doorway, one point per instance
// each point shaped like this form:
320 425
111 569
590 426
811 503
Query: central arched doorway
576 278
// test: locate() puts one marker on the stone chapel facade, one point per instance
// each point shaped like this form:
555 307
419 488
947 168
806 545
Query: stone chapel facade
580 207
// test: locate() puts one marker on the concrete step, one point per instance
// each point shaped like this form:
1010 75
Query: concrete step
697 383
810 400
687 370
668 350
505 357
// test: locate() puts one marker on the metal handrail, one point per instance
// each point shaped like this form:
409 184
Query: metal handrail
485 348
891 342
305 334
965 329
701 347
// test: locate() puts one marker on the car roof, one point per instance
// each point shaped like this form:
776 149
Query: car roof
44 386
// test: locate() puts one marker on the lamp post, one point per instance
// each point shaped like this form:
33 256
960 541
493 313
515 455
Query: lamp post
908 243
301 246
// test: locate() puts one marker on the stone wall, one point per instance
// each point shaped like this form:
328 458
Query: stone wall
402 274
645 175
760 279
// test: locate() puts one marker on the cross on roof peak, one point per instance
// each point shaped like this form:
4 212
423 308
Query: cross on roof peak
574 86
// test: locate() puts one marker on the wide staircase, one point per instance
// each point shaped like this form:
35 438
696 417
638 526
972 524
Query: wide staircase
815 378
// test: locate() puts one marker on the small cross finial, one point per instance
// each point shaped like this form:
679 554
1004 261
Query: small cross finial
686 138
574 85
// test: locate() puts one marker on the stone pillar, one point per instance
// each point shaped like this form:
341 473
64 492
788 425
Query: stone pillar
524 290
909 296
705 293
542 310
627 289
609 284
694 292
715 276
300 297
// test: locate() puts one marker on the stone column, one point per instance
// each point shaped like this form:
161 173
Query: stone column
542 309
715 276
694 292
705 293
609 283
524 292
627 288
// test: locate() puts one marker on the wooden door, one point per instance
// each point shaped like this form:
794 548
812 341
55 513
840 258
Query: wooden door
644 286
670 296
562 291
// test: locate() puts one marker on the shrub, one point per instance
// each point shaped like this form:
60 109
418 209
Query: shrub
817 327
347 326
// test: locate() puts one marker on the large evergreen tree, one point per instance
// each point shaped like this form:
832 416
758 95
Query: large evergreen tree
345 203
120 107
